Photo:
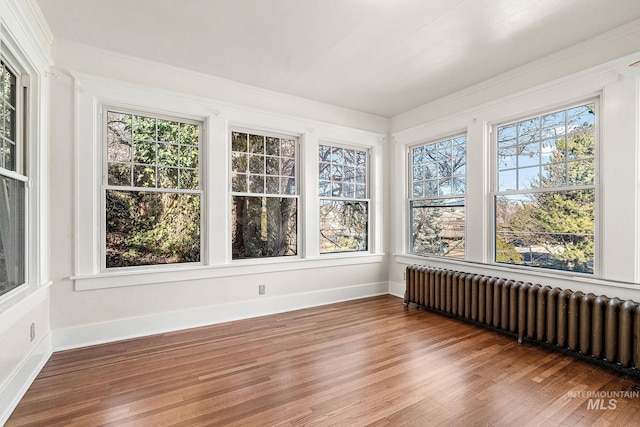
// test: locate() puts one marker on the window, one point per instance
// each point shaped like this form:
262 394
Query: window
344 204
264 195
152 190
545 198
437 197
13 186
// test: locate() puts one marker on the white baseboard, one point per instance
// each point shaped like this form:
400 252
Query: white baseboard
397 289
17 385
98 333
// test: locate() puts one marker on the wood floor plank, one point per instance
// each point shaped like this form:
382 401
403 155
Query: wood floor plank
363 362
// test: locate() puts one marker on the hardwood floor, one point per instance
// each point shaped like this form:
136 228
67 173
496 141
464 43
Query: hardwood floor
364 362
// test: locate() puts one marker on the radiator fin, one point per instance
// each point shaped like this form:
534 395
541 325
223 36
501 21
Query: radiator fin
594 326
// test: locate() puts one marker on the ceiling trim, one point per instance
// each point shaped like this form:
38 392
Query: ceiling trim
603 51
70 55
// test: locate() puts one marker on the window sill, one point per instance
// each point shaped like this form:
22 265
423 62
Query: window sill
235 268
17 303
559 278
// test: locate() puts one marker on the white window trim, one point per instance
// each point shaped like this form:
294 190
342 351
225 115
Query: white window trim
104 186
597 273
298 193
22 171
409 192
219 118
367 199
25 54
619 94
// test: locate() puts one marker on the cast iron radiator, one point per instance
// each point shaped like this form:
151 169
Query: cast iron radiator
597 328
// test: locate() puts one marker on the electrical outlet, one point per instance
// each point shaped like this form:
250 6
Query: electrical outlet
261 289
32 331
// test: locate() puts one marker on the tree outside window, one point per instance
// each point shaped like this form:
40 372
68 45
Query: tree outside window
12 186
344 203
264 194
437 203
152 191
545 199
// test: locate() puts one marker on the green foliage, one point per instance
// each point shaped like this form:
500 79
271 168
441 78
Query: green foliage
438 229
264 227
560 222
343 225
148 227
507 253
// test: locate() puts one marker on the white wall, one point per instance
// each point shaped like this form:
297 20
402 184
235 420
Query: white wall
616 86
83 306
21 356
90 306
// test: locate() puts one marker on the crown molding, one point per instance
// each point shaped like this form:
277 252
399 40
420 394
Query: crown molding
33 28
87 59
613 49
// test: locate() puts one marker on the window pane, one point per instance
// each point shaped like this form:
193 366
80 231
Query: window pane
273 185
528 178
270 173
8 155
529 154
564 136
263 227
144 227
529 130
287 186
438 228
239 183
325 188
435 165
188 157
272 166
168 154
343 225
9 86
581 118
345 169
162 151
549 229
287 167
144 128
256 144
119 174
144 176
287 148
506 136
119 142
239 142
12 234
189 134
8 124
460 167
431 188
148 228
145 152
256 184
168 177
272 146
418 189
324 172
168 131
256 165
507 180
553 125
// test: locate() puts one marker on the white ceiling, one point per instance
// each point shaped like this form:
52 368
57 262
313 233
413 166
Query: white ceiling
378 56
